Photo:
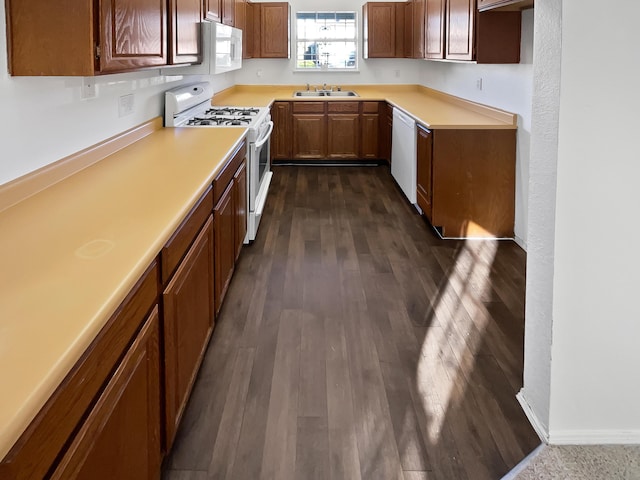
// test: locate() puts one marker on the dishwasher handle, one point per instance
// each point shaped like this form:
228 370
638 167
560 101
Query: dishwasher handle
403 117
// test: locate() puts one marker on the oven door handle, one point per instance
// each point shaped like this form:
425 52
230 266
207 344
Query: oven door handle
266 136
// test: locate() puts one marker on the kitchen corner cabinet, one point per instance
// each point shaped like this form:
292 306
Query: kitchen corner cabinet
471 189
85 38
271 27
93 405
188 307
184 31
281 137
120 438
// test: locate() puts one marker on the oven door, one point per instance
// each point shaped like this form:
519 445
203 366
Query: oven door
260 176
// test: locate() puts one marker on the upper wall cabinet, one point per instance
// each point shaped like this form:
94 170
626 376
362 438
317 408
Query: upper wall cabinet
184 31
73 37
506 5
379 27
455 30
271 23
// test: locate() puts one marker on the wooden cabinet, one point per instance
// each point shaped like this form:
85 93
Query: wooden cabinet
454 30
184 31
309 130
53 429
379 29
407 30
228 12
370 128
386 128
506 5
120 438
469 191
213 10
240 203
248 31
224 244
418 28
281 139
343 130
230 221
271 25
74 38
435 15
424 170
459 29
188 321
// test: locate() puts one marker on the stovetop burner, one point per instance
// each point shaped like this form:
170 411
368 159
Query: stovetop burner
233 111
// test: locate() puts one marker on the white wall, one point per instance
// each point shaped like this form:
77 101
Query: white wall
595 381
269 72
44 119
503 86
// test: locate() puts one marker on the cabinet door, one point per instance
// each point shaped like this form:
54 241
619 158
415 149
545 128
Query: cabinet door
418 28
424 171
407 30
213 10
434 28
281 137
344 133
249 31
132 34
274 29
240 201
459 30
184 31
380 30
369 142
120 437
386 126
228 12
188 321
224 225
309 136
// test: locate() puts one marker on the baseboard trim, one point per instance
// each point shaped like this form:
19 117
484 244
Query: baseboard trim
521 243
535 422
594 437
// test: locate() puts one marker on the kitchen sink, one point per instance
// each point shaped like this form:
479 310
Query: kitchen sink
324 93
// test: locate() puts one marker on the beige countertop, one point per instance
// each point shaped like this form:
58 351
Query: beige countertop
71 253
431 108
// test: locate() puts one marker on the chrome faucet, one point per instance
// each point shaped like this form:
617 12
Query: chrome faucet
307 87
324 86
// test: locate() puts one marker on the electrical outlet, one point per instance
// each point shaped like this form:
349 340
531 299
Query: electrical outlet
125 105
259 73
88 89
479 83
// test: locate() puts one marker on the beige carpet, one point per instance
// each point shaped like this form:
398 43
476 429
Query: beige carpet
570 462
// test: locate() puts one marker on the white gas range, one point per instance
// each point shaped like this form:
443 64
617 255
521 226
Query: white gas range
190 106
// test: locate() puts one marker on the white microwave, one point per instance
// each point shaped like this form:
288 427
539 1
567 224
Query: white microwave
221 51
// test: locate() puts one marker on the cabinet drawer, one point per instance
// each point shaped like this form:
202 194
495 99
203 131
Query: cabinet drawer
228 171
370 107
343 107
178 244
308 107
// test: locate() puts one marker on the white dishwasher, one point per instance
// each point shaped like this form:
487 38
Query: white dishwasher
403 154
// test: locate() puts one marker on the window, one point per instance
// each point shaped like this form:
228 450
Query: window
326 40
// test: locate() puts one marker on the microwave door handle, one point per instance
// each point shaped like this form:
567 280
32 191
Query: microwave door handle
266 136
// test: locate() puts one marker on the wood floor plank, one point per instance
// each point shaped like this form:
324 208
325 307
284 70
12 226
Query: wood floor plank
312 399
184 475
279 457
224 448
344 461
312 449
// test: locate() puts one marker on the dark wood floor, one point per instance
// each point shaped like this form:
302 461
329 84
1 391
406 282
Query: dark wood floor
354 344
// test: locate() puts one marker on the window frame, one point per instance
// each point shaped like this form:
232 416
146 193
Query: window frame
324 69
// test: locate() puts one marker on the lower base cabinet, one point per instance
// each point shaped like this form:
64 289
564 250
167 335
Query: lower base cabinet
225 244
120 438
188 322
424 171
